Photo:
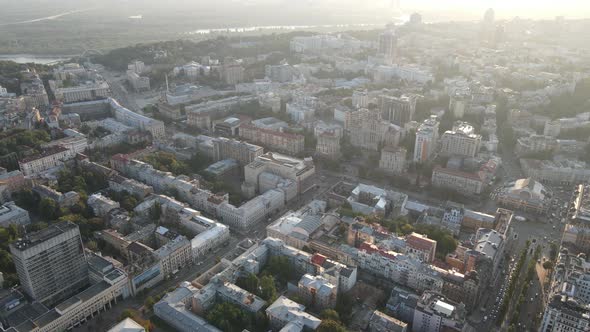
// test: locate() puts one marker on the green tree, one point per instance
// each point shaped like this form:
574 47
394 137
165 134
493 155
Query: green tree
330 314
330 326
229 317
280 267
249 283
149 303
343 307
91 245
548 265
49 209
268 289
129 203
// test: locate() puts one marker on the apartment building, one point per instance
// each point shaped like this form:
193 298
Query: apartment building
462 182
433 313
460 141
139 83
284 313
393 160
296 170
51 264
328 145
174 255
50 158
101 205
398 110
290 143
561 172
243 152
421 247
130 118
84 92
426 140
317 292
367 130
120 183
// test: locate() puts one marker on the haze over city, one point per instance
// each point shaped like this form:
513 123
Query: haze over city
294 166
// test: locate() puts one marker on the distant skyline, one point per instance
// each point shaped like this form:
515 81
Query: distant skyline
435 9
508 8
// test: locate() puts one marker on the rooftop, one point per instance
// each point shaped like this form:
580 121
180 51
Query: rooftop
45 153
127 325
33 239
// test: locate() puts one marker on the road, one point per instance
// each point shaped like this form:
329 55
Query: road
119 91
189 273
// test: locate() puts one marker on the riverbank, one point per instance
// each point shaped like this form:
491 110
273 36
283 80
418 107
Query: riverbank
33 58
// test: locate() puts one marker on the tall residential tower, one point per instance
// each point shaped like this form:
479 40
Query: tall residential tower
50 263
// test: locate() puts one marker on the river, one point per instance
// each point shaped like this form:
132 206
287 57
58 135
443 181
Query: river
40 59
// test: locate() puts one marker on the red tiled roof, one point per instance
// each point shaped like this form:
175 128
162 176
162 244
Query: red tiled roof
416 241
472 176
120 157
318 259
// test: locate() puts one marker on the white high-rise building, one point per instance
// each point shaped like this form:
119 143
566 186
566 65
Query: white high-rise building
461 141
426 139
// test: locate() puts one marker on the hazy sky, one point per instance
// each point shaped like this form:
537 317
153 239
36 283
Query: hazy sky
433 9
520 7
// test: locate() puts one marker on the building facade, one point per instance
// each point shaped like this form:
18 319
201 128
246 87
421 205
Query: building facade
426 140
462 182
393 160
51 264
292 144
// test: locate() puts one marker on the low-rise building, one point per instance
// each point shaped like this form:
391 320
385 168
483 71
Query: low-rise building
174 255
525 194
77 144
62 199
283 312
11 214
565 314
296 170
120 183
276 140
48 159
433 313
127 325
317 292
370 200
297 228
380 322
84 92
462 182
224 168
101 205
562 172
535 143
139 83
243 152
420 246
175 309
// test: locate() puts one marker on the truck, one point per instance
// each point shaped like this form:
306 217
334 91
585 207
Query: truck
520 218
